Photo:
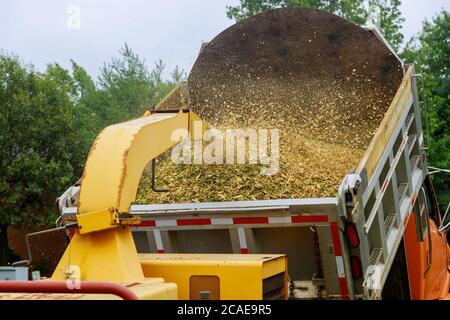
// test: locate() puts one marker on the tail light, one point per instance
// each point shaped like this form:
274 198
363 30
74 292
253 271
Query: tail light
356 267
352 235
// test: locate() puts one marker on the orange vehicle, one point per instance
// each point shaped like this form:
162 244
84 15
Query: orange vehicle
427 249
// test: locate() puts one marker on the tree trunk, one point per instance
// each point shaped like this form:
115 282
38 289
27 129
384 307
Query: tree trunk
4 248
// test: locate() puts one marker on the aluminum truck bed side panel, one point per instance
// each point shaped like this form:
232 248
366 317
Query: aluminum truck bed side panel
387 127
388 180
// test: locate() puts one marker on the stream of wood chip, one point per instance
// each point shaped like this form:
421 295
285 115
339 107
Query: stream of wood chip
324 132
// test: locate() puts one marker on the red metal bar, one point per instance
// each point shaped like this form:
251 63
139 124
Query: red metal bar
251 220
309 219
85 287
193 222
149 223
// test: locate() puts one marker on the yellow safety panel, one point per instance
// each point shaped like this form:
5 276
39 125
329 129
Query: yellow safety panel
241 276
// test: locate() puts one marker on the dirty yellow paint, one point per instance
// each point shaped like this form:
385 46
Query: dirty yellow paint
102 248
119 156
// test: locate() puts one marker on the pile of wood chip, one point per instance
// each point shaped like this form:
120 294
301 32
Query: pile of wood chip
308 169
323 136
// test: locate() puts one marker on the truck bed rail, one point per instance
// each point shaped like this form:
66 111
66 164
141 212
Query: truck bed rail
379 198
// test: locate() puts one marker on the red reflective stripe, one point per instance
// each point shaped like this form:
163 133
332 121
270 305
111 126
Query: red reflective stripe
343 288
385 184
193 222
244 251
149 223
413 200
160 251
256 220
247 220
336 242
309 219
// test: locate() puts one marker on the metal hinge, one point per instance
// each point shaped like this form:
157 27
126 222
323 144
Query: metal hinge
105 219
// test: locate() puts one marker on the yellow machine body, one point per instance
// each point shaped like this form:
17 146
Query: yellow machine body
221 276
102 248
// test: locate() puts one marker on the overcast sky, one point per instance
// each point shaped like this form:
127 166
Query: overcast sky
47 31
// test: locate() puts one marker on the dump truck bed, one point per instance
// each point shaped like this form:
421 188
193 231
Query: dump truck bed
378 197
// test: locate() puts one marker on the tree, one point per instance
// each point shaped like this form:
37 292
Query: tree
430 52
353 10
90 114
162 87
391 20
129 88
36 134
178 75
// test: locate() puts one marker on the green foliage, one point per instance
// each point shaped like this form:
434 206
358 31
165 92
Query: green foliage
353 10
128 85
90 114
178 75
36 131
129 88
430 52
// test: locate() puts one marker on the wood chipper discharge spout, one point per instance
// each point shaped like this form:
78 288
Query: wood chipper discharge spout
323 81
102 248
